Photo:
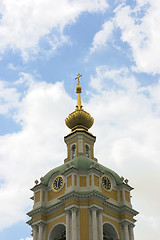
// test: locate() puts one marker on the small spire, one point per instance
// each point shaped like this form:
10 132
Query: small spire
78 91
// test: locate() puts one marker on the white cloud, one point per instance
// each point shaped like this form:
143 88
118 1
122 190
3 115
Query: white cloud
28 238
9 98
140 29
27 25
101 37
119 77
11 66
26 79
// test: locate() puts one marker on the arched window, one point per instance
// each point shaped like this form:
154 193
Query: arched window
109 232
87 150
73 150
58 232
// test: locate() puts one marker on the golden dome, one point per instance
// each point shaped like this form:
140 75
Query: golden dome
79 119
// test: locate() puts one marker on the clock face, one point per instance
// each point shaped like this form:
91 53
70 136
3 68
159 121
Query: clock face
106 183
58 183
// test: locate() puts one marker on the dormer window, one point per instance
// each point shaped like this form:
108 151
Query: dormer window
87 150
73 150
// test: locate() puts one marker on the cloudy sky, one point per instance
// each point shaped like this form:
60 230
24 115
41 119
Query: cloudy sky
115 45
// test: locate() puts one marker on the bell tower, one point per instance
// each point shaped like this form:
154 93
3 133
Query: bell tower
81 199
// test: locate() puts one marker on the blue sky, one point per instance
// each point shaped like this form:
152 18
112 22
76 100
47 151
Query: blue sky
115 46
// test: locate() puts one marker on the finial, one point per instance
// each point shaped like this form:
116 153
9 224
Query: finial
78 91
126 181
78 76
36 182
122 178
41 179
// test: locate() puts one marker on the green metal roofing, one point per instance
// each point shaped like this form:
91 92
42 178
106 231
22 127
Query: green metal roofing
81 163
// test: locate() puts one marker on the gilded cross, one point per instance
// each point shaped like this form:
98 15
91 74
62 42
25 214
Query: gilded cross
78 76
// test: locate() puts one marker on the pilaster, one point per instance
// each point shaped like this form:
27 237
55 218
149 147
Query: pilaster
74 223
94 222
131 233
35 232
68 222
126 230
100 225
41 231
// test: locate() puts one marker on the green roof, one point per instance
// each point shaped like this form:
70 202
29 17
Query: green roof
81 163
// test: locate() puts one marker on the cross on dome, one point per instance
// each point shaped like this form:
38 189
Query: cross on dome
78 76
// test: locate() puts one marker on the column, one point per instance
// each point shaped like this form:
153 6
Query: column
126 232
72 180
94 223
40 237
34 228
100 225
123 195
74 224
41 195
80 145
131 226
122 230
68 225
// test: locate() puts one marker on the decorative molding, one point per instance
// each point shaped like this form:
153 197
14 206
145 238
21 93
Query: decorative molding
120 209
45 211
83 196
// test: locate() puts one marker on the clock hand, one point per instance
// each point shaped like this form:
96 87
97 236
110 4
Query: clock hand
59 182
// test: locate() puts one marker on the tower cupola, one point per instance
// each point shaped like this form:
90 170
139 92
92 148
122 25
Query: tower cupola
79 119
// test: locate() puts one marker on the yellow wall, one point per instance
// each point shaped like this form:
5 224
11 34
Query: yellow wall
112 194
96 181
83 181
75 180
84 224
56 213
52 195
90 180
118 217
37 197
127 196
121 197
112 214
69 181
39 217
